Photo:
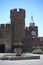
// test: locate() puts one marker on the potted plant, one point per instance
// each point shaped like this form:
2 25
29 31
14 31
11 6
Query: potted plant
17 47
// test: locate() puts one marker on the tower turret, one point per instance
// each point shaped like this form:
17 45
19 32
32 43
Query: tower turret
32 22
18 24
33 29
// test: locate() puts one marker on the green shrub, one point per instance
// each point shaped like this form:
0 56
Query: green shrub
37 51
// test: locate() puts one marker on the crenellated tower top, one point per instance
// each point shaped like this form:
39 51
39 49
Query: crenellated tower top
14 14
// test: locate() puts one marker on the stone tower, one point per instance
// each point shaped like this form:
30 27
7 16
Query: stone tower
33 29
17 24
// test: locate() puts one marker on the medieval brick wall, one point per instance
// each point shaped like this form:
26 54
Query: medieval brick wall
5 36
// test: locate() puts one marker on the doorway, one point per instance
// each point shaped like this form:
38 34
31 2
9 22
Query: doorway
2 48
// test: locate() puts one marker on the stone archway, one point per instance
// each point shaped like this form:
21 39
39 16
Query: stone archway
2 48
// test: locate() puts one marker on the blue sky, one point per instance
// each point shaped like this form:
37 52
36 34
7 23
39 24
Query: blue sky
32 7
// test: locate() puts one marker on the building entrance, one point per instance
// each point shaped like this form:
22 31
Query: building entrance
2 48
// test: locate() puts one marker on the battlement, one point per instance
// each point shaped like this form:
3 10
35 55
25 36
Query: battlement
5 25
15 13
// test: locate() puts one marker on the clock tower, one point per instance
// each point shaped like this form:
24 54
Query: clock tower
33 29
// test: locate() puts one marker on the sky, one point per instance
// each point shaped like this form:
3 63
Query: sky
32 7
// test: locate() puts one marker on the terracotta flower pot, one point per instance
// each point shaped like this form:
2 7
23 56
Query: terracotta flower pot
17 50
